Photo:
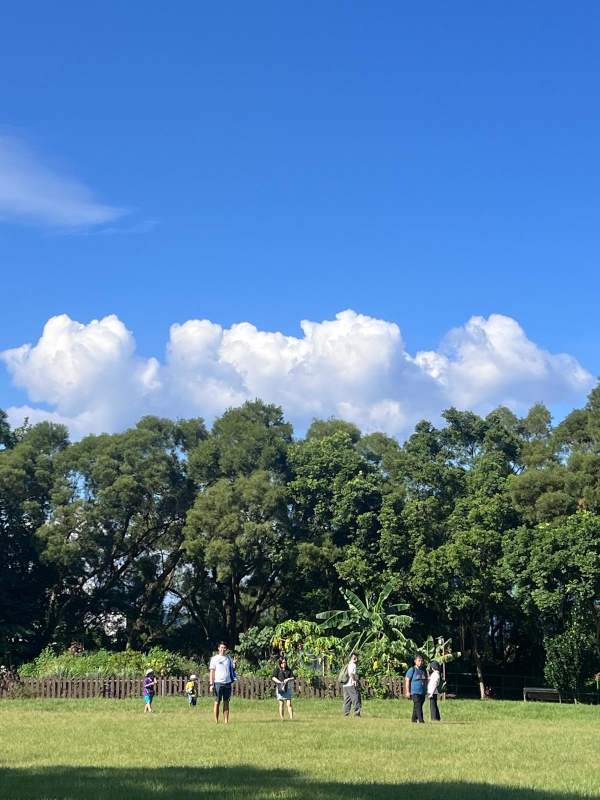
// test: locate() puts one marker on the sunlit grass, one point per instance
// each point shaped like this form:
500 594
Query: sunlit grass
80 749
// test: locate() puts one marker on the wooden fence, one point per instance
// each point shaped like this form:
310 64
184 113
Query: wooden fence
120 688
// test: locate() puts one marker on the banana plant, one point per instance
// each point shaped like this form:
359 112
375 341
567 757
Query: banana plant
368 622
433 650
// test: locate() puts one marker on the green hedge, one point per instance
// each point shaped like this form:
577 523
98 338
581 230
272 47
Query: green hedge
104 663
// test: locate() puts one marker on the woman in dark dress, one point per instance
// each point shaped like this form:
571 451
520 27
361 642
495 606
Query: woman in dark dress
282 678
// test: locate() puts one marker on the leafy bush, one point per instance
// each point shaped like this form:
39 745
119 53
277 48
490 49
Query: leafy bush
256 646
104 664
571 659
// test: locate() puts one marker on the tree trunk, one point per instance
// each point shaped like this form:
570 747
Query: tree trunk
478 665
230 609
154 597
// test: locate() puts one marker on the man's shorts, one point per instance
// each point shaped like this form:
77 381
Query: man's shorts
222 691
148 698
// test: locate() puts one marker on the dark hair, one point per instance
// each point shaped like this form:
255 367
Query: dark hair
353 654
283 658
420 655
222 643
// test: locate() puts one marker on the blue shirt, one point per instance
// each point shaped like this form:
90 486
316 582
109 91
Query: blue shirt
418 680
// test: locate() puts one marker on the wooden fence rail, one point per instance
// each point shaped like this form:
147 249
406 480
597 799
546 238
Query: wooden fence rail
120 688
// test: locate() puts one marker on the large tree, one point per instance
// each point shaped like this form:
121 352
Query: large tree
115 536
26 479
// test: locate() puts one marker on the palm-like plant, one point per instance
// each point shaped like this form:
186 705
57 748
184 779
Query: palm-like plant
369 622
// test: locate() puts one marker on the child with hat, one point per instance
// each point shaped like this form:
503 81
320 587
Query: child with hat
150 683
191 689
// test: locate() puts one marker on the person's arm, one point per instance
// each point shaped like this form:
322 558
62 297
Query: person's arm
407 683
211 673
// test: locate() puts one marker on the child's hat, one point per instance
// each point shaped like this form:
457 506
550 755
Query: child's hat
149 671
193 677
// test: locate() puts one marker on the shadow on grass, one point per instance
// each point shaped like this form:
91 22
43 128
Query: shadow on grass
248 783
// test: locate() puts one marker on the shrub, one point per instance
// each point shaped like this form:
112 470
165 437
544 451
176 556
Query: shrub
105 664
571 659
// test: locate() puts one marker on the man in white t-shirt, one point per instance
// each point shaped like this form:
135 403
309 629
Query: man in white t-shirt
351 689
222 675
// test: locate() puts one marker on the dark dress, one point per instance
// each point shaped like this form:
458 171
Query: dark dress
281 675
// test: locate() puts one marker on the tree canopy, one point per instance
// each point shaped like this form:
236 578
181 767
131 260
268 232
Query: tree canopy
481 529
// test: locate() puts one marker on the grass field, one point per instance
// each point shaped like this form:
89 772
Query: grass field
109 750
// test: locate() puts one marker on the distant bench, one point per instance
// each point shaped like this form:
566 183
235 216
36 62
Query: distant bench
535 693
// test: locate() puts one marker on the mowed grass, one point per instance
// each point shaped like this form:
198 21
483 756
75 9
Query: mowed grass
109 750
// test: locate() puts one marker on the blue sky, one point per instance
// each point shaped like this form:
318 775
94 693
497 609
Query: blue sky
272 162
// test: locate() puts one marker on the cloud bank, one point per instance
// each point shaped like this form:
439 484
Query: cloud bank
34 194
355 367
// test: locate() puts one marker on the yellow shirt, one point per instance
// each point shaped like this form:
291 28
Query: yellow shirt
191 688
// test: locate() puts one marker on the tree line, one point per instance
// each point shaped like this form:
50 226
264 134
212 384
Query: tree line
174 535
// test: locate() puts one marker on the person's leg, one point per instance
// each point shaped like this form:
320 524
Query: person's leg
226 711
414 717
420 699
216 711
347 701
281 708
433 708
357 702
290 709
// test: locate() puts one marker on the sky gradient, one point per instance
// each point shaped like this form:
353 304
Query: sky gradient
433 168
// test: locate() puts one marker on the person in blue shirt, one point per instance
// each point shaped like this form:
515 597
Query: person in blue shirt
415 687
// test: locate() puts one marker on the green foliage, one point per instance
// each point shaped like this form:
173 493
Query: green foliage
173 536
304 644
256 645
434 650
104 664
571 659
369 622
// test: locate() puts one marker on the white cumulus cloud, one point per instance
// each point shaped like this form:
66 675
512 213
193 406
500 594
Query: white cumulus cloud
354 366
31 192
492 361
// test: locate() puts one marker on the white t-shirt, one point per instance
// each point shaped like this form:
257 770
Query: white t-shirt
351 674
433 682
222 668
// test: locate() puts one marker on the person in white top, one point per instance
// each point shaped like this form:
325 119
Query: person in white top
432 690
222 675
351 689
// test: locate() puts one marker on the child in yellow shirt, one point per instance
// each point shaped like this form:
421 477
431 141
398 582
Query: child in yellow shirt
191 689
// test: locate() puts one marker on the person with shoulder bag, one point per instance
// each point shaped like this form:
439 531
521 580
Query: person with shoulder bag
222 675
283 678
351 688
415 687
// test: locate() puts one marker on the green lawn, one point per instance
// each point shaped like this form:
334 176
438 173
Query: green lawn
109 750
